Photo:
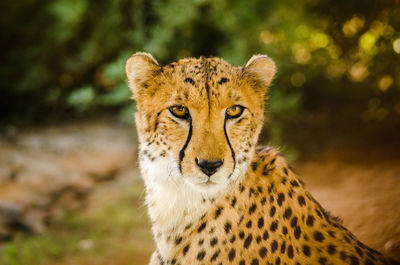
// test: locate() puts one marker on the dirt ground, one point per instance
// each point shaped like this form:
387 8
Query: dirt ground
365 196
44 170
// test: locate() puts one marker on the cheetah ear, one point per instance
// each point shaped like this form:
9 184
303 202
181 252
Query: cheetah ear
261 69
139 68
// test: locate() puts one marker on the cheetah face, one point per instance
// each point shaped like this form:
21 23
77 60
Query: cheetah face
198 119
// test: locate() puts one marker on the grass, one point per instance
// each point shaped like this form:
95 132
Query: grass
114 229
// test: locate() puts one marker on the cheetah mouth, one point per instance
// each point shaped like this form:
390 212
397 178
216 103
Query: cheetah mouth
207 183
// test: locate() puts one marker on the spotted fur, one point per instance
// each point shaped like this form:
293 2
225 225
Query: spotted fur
253 209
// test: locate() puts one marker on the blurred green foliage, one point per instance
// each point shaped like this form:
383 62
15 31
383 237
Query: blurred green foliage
67 56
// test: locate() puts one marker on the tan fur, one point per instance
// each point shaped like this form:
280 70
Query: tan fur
253 209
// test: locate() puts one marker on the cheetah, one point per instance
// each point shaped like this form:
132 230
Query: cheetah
213 197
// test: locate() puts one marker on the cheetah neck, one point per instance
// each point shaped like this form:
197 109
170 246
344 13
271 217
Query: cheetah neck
171 201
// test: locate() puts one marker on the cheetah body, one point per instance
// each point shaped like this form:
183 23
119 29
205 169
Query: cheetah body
253 209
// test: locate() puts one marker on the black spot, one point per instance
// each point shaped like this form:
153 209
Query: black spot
201 255
310 220
343 255
361 245
233 238
294 183
213 241
322 261
248 225
233 202
252 208
201 241
202 226
178 240
265 170
215 255
272 211
271 198
297 232
254 262
218 212
260 222
262 252
318 236
189 80
231 254
331 249
227 227
290 252
301 200
284 180
270 187
359 251
278 261
369 254
241 234
251 192
248 240
242 262
258 239
354 260
223 80
274 226
319 213
173 261
285 170
254 166
288 213
283 247
263 201
293 222
265 235
281 198
274 246
306 250
241 188
185 249
284 230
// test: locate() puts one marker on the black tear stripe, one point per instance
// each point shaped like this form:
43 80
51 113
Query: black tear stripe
182 152
156 122
230 147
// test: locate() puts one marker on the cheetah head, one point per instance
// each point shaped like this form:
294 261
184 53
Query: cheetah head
198 120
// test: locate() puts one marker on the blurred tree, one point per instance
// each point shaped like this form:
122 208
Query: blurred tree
65 55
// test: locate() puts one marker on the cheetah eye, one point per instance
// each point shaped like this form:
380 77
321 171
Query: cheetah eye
234 112
180 112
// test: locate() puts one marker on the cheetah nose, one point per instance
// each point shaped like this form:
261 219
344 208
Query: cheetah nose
209 167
